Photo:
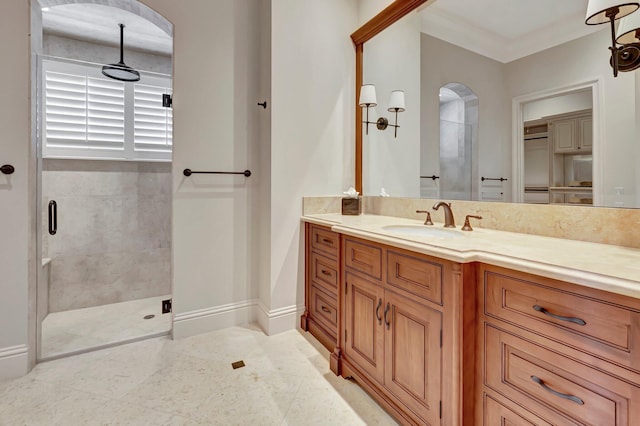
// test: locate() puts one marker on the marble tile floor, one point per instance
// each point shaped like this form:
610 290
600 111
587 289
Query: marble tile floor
286 381
80 330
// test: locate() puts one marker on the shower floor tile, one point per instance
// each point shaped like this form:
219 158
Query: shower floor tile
80 330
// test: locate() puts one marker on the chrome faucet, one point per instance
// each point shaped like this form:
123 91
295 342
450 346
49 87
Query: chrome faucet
448 214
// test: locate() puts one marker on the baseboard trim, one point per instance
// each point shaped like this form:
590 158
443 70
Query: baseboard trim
215 318
14 362
278 320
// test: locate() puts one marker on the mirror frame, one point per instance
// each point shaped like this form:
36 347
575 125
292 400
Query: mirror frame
366 32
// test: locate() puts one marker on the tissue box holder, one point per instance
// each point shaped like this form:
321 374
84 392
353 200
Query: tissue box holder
351 206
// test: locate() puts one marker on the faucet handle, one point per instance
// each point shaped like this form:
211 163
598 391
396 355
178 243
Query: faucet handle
428 219
467 225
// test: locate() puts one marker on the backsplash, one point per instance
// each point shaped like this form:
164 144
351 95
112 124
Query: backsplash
614 226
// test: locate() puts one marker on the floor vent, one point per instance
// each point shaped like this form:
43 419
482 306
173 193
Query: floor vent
237 364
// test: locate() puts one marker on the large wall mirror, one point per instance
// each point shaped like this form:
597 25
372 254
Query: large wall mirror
506 100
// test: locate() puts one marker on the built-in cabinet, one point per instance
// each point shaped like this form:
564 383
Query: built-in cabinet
437 342
322 269
558 159
556 351
393 325
572 133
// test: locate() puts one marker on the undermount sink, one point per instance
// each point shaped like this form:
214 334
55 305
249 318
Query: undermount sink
423 231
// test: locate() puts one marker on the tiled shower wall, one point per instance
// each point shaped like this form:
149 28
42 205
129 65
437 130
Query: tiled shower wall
113 241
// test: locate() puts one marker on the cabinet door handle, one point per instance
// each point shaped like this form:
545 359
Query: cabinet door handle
53 217
556 393
327 241
574 320
378 312
325 272
386 311
325 309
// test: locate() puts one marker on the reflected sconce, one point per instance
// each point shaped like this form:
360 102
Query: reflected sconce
368 99
625 46
396 104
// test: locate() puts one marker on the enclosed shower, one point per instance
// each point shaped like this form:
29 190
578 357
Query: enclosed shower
105 148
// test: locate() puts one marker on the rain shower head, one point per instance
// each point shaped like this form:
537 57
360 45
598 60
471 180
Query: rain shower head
121 71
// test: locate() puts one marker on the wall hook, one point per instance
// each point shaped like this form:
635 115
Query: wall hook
7 169
263 104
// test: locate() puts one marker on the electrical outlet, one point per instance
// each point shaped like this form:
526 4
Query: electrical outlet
619 190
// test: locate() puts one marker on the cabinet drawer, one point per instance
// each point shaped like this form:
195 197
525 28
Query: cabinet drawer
325 241
496 414
324 272
323 309
415 275
363 258
567 391
591 325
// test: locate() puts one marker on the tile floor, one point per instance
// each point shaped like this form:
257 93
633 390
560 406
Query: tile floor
81 329
286 381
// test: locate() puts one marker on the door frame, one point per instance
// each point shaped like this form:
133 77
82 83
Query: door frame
517 128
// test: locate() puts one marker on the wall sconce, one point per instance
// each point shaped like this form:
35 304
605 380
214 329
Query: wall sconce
625 49
396 104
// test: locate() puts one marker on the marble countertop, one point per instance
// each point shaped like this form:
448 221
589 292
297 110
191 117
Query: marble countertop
601 266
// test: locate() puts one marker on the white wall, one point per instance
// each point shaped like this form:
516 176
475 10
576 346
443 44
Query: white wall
14 189
312 148
389 63
215 241
584 60
444 63
221 66
557 105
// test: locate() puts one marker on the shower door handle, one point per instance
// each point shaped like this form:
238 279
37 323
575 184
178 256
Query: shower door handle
53 217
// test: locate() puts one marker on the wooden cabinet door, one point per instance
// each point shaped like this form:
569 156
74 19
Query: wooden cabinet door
564 135
585 125
413 356
364 310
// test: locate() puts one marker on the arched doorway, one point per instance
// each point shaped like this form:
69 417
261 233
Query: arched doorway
104 175
458 137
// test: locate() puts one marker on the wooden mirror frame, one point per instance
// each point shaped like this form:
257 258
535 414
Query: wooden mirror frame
366 32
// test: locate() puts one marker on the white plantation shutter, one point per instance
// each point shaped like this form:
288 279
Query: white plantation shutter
87 115
66 108
153 123
105 113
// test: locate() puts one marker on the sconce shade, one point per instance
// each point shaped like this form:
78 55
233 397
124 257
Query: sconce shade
629 29
597 10
368 96
396 102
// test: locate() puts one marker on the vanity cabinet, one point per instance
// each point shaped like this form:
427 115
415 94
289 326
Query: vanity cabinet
437 342
572 133
322 270
393 327
565 353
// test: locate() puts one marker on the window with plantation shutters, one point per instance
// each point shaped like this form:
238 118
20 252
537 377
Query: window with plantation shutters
86 115
153 123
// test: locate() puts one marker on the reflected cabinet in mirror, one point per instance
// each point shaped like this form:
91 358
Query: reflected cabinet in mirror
505 100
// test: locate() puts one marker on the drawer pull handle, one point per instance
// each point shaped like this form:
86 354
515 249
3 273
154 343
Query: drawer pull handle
325 309
386 311
325 272
327 240
378 312
556 393
558 317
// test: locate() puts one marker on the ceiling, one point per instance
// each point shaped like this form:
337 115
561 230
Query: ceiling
506 30
99 24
